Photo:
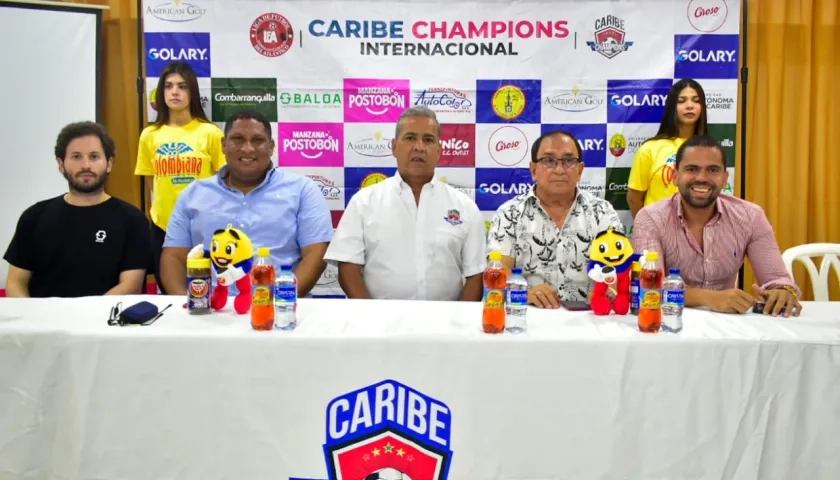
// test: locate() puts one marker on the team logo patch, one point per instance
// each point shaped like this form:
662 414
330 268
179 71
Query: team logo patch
453 217
272 35
609 37
387 431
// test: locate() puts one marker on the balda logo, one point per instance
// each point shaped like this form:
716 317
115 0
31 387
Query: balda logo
388 431
308 99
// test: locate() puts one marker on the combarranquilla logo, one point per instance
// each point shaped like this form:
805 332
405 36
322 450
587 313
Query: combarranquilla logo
725 134
232 94
164 48
375 100
637 101
706 56
616 191
310 144
438 38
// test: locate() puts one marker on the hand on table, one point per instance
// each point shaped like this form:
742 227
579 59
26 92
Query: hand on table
731 301
778 300
543 296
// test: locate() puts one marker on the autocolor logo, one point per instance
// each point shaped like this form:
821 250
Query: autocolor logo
636 101
707 16
508 146
311 144
327 186
373 100
164 48
443 100
175 11
574 101
457 145
706 56
495 186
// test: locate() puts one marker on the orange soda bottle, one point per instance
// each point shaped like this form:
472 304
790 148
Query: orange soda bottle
262 291
651 279
495 283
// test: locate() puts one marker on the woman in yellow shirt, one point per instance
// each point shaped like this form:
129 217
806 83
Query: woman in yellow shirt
181 146
652 174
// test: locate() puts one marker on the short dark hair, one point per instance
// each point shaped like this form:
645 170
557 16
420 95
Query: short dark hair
535 148
700 141
248 114
84 129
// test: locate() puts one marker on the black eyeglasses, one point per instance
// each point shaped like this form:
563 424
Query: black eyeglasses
552 162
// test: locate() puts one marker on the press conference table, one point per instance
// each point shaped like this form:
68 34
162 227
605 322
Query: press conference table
575 397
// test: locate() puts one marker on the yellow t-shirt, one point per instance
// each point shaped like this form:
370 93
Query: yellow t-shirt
177 156
654 170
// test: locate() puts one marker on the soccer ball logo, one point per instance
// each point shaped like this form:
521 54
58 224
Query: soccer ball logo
388 474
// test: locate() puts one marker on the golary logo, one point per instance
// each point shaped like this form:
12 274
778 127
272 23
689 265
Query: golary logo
272 35
609 37
373 179
387 431
574 101
618 143
509 102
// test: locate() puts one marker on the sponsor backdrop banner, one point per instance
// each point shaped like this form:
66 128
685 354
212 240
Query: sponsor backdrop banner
333 77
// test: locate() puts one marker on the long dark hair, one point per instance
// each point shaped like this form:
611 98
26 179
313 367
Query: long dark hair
186 71
668 127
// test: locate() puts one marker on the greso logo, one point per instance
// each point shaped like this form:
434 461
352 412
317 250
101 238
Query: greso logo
176 11
298 99
508 146
628 100
508 102
377 147
707 15
574 101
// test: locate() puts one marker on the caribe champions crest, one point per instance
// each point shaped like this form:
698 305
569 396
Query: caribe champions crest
387 431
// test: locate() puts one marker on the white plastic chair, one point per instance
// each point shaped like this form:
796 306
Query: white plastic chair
819 280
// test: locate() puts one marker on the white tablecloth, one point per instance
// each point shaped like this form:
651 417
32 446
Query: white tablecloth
576 397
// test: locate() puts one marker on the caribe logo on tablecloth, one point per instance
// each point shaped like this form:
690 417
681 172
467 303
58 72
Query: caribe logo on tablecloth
387 431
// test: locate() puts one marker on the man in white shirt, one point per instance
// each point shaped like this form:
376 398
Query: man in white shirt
548 230
411 237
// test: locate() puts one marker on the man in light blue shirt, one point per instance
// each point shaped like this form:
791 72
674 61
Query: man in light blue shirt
277 209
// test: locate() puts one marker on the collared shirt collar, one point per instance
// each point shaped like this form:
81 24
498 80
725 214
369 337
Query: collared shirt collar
223 172
676 201
532 194
400 183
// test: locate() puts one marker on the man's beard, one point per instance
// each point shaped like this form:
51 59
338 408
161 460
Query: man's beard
700 203
95 186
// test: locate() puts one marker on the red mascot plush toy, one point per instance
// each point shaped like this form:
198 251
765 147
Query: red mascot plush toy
232 255
610 259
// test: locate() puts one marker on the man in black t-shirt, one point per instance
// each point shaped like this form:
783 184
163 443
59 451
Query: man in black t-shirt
84 242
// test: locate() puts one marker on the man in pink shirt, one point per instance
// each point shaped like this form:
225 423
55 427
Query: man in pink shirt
707 235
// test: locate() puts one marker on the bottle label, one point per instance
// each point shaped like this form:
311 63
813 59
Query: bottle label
517 297
198 293
285 294
494 298
261 295
676 297
634 294
650 299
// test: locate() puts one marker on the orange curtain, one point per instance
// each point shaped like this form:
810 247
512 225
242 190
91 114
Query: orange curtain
119 110
793 93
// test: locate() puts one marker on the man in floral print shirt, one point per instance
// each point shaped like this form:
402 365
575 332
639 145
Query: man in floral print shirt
547 231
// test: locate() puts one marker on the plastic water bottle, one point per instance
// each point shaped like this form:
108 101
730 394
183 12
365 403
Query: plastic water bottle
673 301
285 299
516 306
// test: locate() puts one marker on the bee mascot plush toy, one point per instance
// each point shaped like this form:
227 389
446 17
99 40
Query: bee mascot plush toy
610 259
232 255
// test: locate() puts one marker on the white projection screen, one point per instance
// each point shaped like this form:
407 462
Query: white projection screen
51 64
